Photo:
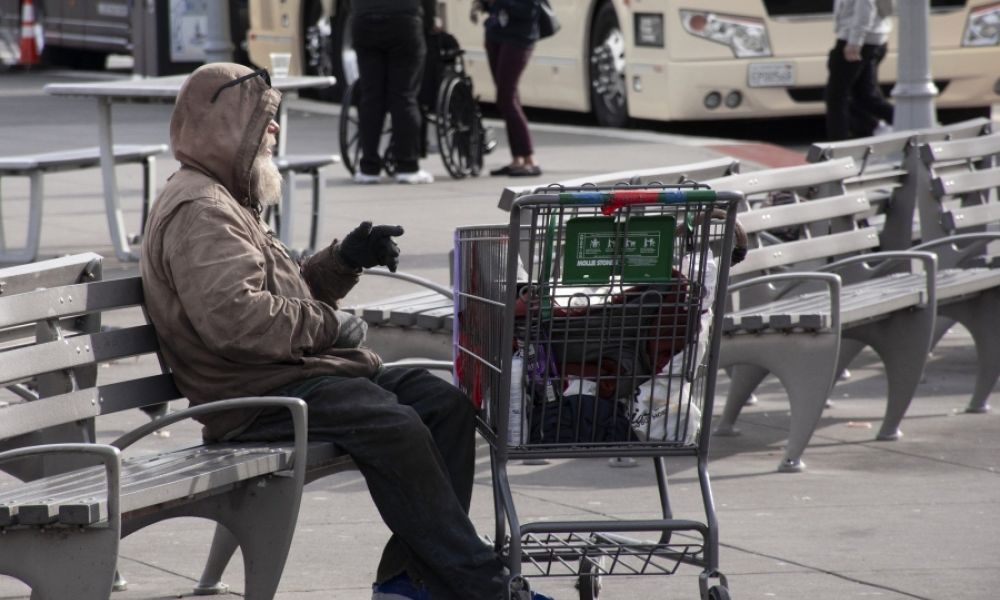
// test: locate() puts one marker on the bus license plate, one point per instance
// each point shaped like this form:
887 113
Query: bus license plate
771 75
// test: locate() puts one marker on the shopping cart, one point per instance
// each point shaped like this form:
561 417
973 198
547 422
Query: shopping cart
588 327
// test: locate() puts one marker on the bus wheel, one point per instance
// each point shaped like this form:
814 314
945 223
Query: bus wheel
607 69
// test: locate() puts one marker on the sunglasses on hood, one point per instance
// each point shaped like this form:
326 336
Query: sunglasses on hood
259 72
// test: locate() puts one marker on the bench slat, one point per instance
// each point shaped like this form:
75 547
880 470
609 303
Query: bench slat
146 483
788 178
408 317
79 158
68 300
787 253
809 211
20 364
970 181
968 217
955 284
969 148
378 312
27 417
78 498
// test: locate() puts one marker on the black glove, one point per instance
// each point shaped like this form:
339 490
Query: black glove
369 246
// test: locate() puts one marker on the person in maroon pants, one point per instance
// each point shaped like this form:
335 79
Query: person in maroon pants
511 33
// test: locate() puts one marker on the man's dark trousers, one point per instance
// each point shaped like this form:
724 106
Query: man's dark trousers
854 102
391 50
411 435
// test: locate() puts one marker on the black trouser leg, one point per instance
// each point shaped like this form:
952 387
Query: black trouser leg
372 106
405 72
866 96
411 435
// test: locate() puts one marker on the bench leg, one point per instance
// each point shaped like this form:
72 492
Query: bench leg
148 190
59 564
902 342
314 224
978 315
30 250
805 364
260 515
224 545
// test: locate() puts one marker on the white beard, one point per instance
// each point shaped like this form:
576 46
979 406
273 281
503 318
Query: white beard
265 181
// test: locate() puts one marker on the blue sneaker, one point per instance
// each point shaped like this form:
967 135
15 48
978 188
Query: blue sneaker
400 587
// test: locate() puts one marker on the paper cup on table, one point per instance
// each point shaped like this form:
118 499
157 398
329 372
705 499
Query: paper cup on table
279 64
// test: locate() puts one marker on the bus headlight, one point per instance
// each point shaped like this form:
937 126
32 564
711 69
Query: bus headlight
983 27
746 37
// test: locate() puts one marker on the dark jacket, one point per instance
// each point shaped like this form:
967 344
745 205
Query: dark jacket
234 314
513 22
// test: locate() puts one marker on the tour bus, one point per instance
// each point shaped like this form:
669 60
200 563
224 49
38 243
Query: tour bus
667 59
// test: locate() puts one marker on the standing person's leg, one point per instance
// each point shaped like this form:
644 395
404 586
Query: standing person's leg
419 475
507 65
405 71
368 38
866 93
839 84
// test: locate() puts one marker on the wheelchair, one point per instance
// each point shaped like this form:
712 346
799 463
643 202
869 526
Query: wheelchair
447 102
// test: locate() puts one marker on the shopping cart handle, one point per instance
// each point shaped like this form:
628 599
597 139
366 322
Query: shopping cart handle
614 200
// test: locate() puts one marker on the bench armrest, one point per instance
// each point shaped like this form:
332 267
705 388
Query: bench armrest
421 281
832 281
110 456
439 365
295 405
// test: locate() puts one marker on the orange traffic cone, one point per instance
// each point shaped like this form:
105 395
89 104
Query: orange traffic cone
29 47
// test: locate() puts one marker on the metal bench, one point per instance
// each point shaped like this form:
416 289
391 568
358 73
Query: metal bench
891 170
959 216
791 316
62 525
34 166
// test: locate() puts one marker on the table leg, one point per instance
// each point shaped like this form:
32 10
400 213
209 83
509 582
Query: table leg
285 225
112 203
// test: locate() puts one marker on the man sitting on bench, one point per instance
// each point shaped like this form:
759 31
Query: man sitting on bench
236 316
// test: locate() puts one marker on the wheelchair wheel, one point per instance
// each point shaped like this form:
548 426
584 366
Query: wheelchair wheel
350 133
459 128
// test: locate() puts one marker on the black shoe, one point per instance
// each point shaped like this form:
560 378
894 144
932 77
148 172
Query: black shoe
525 171
504 170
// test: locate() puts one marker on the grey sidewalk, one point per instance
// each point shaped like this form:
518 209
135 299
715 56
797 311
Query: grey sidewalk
916 518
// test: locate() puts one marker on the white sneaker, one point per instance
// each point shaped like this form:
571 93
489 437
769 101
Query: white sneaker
420 176
366 179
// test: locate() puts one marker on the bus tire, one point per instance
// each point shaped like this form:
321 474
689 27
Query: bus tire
608 99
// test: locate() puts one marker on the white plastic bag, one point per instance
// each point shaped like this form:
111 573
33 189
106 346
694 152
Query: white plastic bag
663 410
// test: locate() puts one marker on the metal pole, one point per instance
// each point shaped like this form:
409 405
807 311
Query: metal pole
218 46
914 91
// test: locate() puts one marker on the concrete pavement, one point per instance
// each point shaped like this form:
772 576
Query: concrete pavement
918 518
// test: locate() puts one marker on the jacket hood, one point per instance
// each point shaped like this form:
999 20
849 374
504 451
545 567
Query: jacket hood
221 138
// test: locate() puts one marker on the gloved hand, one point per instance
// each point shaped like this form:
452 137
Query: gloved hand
369 246
352 330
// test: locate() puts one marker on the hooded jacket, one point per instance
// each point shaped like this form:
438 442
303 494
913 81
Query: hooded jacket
235 315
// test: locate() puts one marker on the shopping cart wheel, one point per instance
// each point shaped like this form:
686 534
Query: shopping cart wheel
589 582
718 592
